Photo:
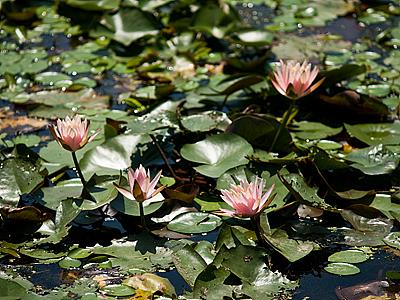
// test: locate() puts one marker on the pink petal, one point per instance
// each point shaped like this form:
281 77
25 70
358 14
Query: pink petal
131 179
124 192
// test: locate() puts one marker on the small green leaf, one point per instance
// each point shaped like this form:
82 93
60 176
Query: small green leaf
194 222
68 263
118 290
351 256
342 269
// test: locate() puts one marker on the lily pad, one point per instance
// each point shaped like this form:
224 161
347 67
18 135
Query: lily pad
376 133
194 222
342 269
313 130
374 160
130 24
351 256
129 207
218 153
111 156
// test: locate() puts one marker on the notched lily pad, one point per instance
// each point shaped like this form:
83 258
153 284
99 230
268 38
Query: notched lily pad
194 222
218 153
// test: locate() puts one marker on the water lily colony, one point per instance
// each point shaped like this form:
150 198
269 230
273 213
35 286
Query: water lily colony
199 149
291 79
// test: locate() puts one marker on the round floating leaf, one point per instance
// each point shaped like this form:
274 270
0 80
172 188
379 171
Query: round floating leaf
348 256
52 196
77 68
374 160
130 24
376 133
393 239
342 269
205 121
118 290
95 5
112 156
314 130
377 90
260 132
102 190
218 153
51 78
14 288
194 222
129 207
189 263
68 263
79 253
18 176
40 253
292 249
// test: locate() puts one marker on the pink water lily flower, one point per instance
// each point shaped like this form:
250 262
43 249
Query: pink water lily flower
141 187
246 199
294 80
72 134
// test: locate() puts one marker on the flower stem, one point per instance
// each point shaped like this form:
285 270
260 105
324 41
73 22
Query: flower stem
254 223
78 169
142 219
164 157
85 192
282 124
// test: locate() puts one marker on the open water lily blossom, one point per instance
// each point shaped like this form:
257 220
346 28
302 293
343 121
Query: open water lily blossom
72 133
246 199
294 80
141 187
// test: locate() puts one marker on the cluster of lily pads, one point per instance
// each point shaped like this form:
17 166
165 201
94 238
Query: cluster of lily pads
145 141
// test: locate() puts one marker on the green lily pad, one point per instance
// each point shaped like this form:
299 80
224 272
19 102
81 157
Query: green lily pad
342 269
260 131
189 264
69 262
218 153
118 290
18 176
51 78
313 130
94 5
291 249
374 160
130 24
376 133
79 253
393 239
194 222
304 193
111 156
351 256
129 207
206 121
